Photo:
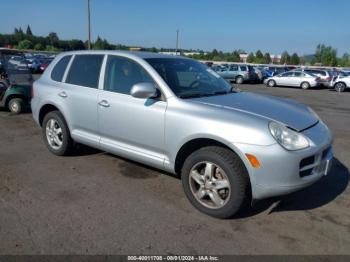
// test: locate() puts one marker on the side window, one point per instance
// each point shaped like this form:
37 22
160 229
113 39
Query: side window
233 68
243 68
85 70
298 74
122 73
288 74
59 69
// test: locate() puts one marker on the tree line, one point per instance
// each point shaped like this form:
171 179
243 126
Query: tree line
26 40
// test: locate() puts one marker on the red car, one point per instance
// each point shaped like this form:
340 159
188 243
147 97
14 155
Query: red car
44 64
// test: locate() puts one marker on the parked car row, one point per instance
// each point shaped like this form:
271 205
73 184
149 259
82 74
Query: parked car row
306 78
37 63
284 75
238 73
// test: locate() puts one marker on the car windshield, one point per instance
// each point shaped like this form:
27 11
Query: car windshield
188 78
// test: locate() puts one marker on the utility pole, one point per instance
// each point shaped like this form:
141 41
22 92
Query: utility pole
89 25
177 41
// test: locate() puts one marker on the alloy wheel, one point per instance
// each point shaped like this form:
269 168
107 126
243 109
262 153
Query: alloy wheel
54 134
209 185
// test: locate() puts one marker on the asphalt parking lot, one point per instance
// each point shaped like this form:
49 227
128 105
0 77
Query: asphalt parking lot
96 203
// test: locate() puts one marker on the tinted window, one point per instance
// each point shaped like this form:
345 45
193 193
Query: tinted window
122 73
59 69
188 78
243 68
298 74
288 74
85 70
234 68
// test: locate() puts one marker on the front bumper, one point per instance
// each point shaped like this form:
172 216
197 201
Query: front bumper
283 171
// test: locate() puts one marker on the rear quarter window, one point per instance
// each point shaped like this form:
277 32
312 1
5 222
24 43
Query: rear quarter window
85 70
59 69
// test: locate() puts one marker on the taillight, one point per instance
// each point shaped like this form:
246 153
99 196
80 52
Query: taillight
318 79
329 78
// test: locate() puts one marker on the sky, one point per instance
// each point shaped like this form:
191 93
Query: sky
269 25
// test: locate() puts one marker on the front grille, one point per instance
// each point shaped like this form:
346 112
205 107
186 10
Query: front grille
308 164
306 172
307 161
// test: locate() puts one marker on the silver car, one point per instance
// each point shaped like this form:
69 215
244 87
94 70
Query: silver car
177 115
294 78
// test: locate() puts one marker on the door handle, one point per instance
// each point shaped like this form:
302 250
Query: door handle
63 94
104 103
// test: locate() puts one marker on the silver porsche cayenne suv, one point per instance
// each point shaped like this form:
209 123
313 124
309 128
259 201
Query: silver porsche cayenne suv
179 116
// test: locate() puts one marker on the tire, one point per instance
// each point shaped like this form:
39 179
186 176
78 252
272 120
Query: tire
271 83
56 134
229 170
305 85
16 105
340 87
239 80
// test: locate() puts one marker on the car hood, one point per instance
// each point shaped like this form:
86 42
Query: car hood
288 112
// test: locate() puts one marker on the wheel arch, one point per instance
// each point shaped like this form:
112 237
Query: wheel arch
47 108
342 82
194 144
12 96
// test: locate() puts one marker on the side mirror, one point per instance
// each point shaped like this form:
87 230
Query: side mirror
144 90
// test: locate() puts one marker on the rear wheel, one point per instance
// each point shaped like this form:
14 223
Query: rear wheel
305 85
215 181
271 83
239 80
56 134
16 105
340 87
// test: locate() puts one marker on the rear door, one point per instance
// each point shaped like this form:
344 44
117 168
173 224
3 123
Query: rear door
284 79
297 78
78 95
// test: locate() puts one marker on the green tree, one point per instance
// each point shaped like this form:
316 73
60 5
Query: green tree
285 58
251 58
267 58
295 60
29 31
233 57
25 44
259 57
38 46
101 44
345 60
51 48
53 39
326 55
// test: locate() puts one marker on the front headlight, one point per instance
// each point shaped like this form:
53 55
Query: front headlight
288 138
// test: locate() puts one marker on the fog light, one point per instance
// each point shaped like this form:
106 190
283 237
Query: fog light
253 161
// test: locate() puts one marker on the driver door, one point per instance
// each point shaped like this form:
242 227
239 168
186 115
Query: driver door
130 127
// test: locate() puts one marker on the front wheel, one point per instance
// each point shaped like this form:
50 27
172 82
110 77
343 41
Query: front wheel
339 87
56 134
16 105
215 181
271 83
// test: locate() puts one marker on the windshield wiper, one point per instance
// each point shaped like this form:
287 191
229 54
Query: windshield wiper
194 95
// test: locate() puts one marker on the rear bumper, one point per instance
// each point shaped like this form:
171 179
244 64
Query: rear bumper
282 171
